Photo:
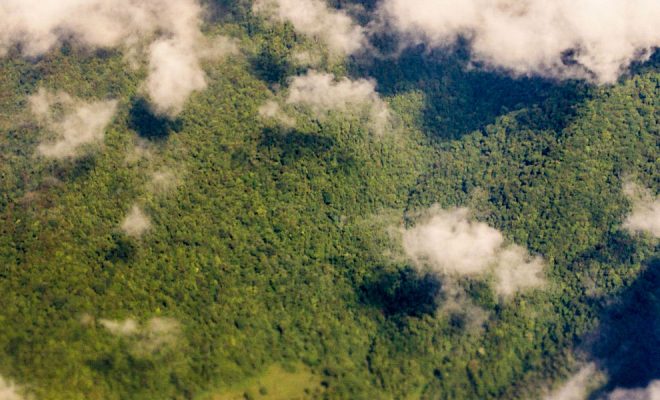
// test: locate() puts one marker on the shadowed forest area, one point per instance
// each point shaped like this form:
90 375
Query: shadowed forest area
627 343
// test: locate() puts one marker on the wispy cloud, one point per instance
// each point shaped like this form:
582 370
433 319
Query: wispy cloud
272 110
9 391
162 181
563 38
136 223
125 327
313 17
175 71
75 124
156 334
589 378
321 93
651 392
449 242
645 216
579 386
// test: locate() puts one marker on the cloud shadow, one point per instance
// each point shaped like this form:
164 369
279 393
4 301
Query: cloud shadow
401 293
628 344
149 125
461 97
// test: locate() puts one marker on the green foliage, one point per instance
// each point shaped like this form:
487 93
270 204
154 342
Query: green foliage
272 248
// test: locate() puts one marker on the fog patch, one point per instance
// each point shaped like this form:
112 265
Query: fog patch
579 386
141 151
590 39
460 308
9 391
154 335
159 332
450 243
272 110
333 27
516 269
307 59
589 378
126 327
651 392
136 223
645 216
162 181
175 71
74 123
321 93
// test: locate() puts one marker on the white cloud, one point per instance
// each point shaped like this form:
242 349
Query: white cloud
175 70
313 17
272 110
532 36
517 269
126 327
451 243
447 241
307 58
142 150
168 63
321 92
8 390
162 181
651 392
77 125
169 30
578 386
159 332
645 215
136 222
581 385
154 335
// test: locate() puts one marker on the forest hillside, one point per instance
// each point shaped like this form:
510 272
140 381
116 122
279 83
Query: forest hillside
301 199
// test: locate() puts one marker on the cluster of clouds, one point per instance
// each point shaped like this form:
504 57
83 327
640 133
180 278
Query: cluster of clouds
321 93
8 390
75 123
164 35
166 32
583 39
596 40
150 337
450 243
566 39
581 385
335 28
645 216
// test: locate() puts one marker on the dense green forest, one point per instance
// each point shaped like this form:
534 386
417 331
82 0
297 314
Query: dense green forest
269 268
